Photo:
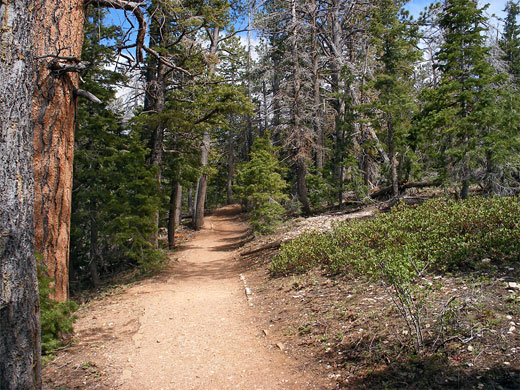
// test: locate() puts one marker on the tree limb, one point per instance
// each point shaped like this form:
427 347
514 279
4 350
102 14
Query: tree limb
134 7
87 95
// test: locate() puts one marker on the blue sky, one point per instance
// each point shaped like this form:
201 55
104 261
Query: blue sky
495 6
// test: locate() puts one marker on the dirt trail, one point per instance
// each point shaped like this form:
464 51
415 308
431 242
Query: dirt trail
188 328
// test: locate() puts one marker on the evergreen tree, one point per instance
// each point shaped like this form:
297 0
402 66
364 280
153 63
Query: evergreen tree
461 116
260 185
114 192
395 40
510 43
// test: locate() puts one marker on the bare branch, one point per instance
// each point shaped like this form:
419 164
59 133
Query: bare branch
87 95
132 6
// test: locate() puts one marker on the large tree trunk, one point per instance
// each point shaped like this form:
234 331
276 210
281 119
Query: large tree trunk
59 32
19 304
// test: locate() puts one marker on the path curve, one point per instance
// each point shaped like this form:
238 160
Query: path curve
191 326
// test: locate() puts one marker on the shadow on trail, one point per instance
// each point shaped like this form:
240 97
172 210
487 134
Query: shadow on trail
212 270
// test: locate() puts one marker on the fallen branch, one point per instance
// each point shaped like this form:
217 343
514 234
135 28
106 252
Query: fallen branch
403 185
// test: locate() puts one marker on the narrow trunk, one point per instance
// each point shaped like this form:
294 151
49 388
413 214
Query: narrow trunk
318 116
393 158
175 212
59 32
200 195
338 90
464 191
266 111
301 173
94 248
190 201
231 168
19 303
202 184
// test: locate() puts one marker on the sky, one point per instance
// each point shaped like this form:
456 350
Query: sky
495 6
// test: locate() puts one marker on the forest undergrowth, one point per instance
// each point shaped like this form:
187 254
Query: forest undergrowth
423 297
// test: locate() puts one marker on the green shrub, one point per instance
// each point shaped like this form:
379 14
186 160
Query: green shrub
442 235
56 318
400 247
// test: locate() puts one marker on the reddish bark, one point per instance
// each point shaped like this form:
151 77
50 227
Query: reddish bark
59 31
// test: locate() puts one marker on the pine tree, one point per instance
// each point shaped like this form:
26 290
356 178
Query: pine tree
460 116
114 193
395 39
260 185
510 42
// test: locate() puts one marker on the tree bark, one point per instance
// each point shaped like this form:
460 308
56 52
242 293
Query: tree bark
59 32
19 299
301 174
190 201
175 213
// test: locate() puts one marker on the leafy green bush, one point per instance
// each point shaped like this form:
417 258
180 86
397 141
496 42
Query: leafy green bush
56 318
442 235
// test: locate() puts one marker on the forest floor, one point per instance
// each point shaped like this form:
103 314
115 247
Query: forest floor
192 326
189 327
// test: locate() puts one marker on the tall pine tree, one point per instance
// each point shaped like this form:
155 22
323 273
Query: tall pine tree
510 42
460 116
395 39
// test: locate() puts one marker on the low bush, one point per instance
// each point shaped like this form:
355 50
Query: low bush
398 248
56 318
441 235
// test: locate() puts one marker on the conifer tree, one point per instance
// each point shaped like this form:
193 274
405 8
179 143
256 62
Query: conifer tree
510 43
460 116
260 185
395 39
114 193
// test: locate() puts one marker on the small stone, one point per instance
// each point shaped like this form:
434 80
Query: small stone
486 261
470 348
507 363
281 346
513 285
512 329
509 317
